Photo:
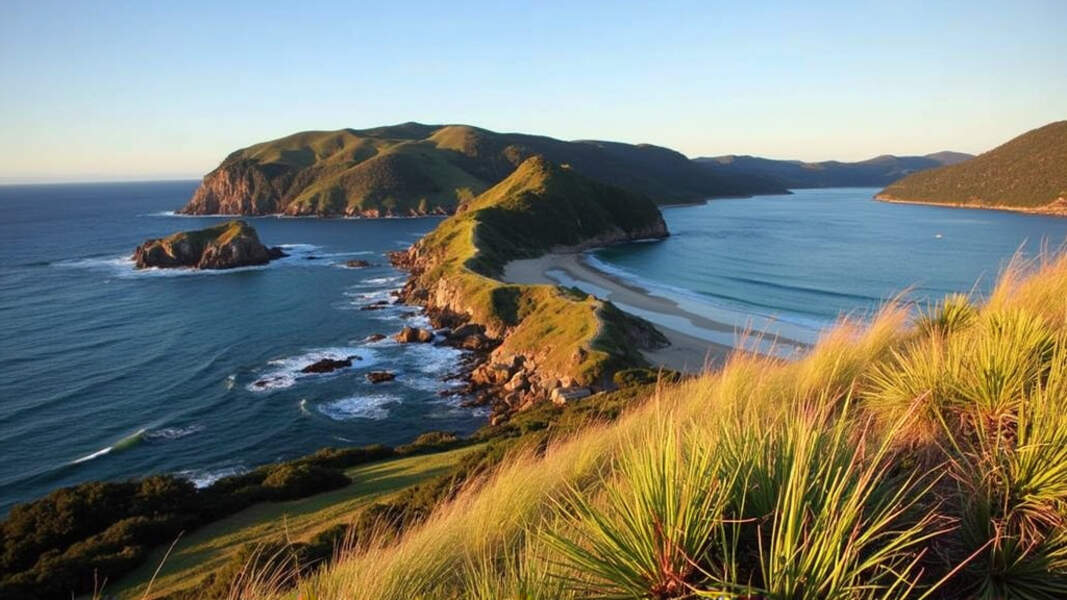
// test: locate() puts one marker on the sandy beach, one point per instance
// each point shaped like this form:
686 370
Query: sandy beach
687 352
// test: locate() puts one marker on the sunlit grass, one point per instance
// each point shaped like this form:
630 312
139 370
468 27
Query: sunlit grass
894 461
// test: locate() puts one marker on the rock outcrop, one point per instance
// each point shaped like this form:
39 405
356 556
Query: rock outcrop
529 340
413 335
225 246
328 365
380 376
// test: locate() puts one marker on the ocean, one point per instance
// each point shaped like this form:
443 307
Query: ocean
794 264
108 373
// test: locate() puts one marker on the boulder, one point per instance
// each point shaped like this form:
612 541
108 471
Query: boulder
375 337
356 263
328 365
409 335
380 376
468 329
471 337
477 342
517 382
493 374
561 396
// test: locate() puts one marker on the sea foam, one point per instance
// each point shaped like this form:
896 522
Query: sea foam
370 406
286 372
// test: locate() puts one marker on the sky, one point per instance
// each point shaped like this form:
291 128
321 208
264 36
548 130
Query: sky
145 90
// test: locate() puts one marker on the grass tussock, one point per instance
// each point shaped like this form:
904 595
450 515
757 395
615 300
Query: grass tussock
897 460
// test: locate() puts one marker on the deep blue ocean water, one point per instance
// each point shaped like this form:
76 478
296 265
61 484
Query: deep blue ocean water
162 366
805 259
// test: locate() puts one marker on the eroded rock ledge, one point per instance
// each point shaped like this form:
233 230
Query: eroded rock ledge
225 246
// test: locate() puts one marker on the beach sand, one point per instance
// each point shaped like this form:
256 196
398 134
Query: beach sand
686 353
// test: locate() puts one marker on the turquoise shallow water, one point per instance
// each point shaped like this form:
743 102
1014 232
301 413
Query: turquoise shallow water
793 264
106 372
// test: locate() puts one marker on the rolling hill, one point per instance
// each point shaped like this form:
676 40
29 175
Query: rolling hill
1028 173
416 169
875 172
567 334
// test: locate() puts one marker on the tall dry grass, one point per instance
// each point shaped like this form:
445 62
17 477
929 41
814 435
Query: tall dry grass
895 460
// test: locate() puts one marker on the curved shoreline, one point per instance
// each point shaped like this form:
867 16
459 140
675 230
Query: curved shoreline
692 348
1049 210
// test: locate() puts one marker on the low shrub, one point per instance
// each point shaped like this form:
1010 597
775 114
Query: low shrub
641 376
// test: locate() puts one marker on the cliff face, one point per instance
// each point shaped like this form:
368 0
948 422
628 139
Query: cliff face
415 169
549 337
233 244
241 187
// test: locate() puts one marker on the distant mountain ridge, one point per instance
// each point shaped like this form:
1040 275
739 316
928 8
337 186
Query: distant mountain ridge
417 169
1027 173
875 172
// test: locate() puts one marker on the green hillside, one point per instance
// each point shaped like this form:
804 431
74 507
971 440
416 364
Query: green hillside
210 547
538 207
1026 173
412 169
794 174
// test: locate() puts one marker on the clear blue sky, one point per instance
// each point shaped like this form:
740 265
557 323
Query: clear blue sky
117 90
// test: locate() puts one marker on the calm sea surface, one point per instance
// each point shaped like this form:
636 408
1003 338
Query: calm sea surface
801 261
106 372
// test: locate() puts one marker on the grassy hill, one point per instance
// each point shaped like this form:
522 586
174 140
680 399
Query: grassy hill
898 460
210 547
413 169
540 206
875 172
1026 173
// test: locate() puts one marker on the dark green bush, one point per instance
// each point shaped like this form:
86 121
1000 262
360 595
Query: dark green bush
640 376
290 481
431 441
57 545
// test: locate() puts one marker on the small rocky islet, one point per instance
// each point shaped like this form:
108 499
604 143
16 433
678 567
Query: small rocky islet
329 365
225 246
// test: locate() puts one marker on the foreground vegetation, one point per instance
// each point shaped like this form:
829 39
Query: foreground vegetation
312 525
75 538
896 460
1028 173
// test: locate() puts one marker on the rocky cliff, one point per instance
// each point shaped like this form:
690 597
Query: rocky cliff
546 338
232 244
416 169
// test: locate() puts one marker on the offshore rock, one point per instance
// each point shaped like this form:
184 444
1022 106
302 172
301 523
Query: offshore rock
225 246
